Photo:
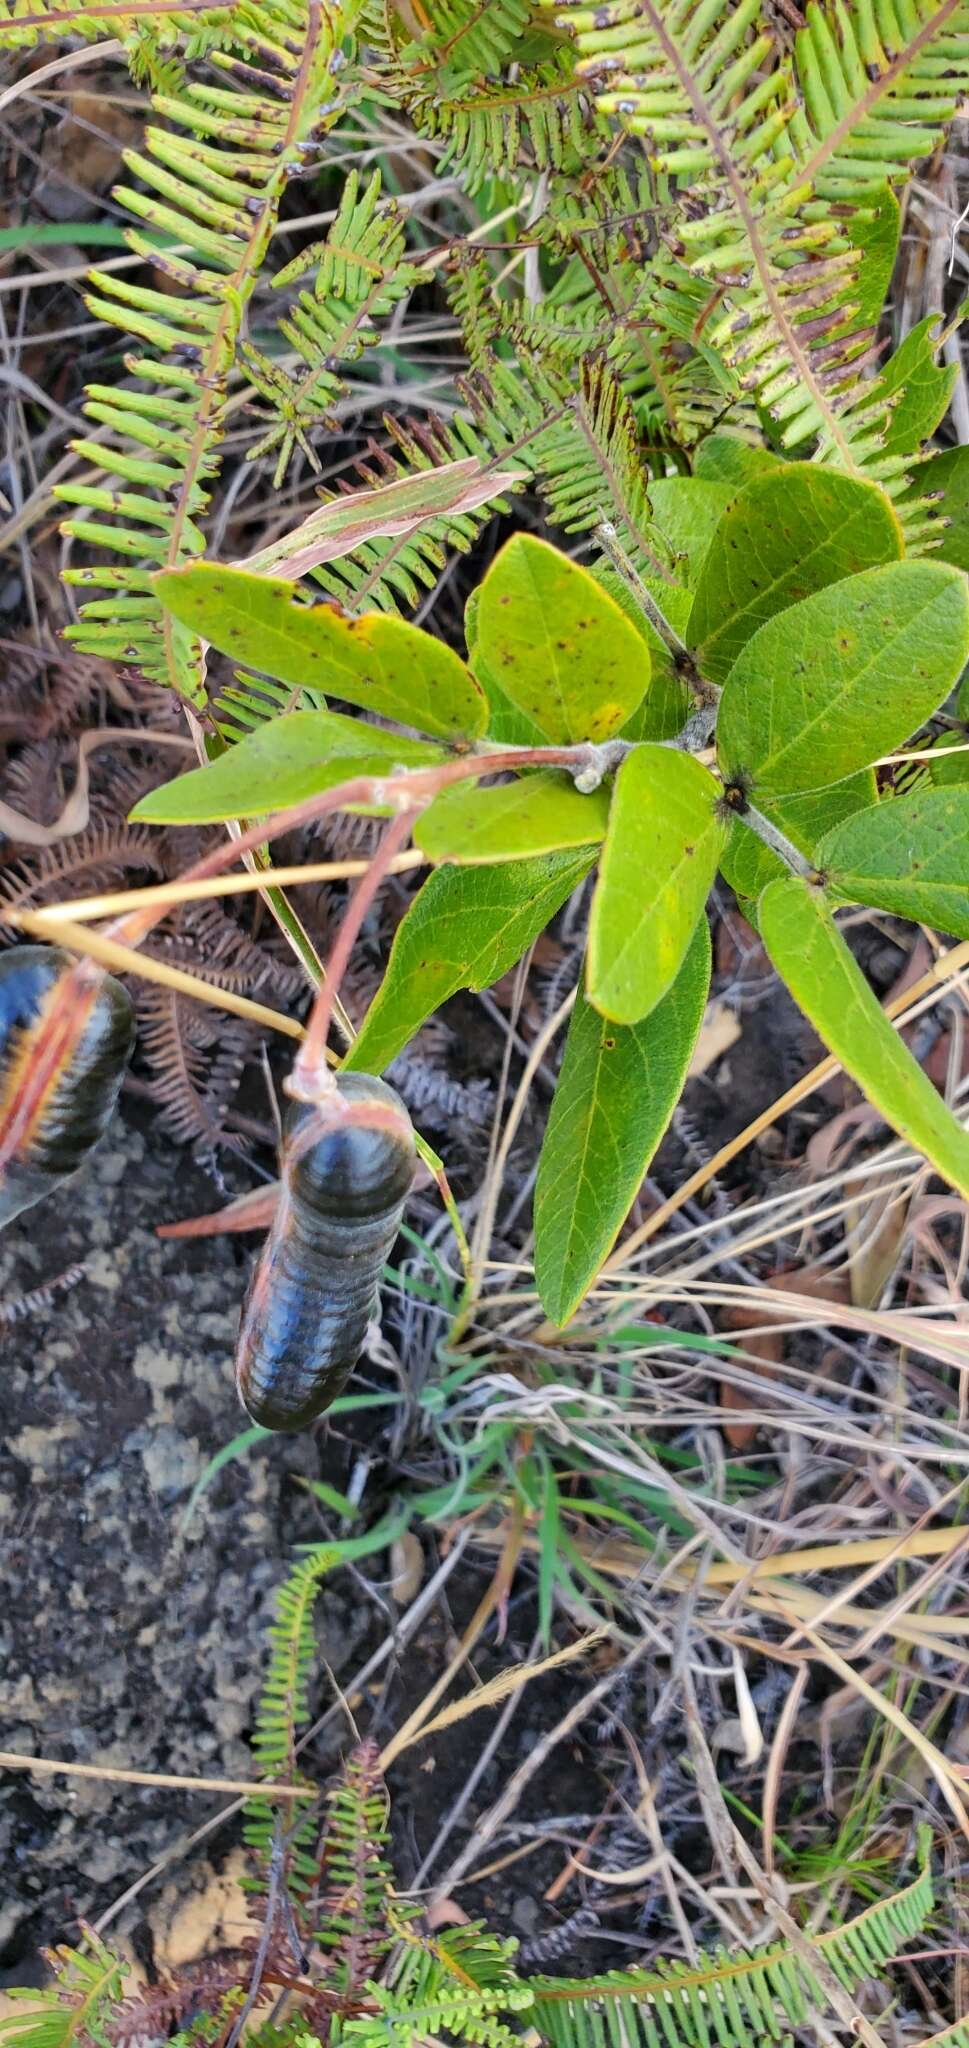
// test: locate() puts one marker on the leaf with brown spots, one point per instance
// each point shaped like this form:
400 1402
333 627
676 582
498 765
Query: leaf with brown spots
382 664
835 682
557 644
786 535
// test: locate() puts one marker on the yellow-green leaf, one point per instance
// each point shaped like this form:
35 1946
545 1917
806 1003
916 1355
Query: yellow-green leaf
558 647
382 664
616 1092
289 758
662 847
807 949
687 511
843 678
910 855
788 533
663 710
536 814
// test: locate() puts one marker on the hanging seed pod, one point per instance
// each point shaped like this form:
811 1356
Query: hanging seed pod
66 1036
347 1167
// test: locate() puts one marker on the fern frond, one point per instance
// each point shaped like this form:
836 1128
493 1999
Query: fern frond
360 276
542 117
732 1995
357 1882
154 23
86 1987
393 574
466 40
579 448
284 1705
876 84
718 106
581 445
249 701
213 180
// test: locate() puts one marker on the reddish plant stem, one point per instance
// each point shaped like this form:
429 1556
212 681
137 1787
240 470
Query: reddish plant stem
411 789
310 1077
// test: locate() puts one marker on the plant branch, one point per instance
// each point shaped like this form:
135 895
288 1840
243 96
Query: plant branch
772 836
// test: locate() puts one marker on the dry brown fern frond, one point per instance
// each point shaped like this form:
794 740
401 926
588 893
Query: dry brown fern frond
196 1059
206 940
99 858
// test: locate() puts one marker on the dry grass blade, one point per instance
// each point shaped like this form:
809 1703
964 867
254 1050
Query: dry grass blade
11 1760
89 908
500 1688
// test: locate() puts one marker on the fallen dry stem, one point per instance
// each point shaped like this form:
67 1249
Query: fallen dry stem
173 894
10 1760
125 960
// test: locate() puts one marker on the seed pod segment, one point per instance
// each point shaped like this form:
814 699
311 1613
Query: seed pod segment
347 1167
66 1036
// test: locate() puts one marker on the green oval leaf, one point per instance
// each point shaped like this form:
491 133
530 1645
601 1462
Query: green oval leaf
808 950
616 1092
663 709
505 722
910 855
558 647
788 533
920 386
664 842
383 664
843 678
464 929
728 458
282 762
536 814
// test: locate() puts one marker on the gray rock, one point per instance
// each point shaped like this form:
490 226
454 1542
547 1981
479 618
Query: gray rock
124 1642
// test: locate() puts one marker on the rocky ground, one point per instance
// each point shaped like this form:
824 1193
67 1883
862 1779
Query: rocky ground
122 1641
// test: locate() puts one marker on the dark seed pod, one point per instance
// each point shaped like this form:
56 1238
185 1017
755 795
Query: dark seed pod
66 1037
347 1168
